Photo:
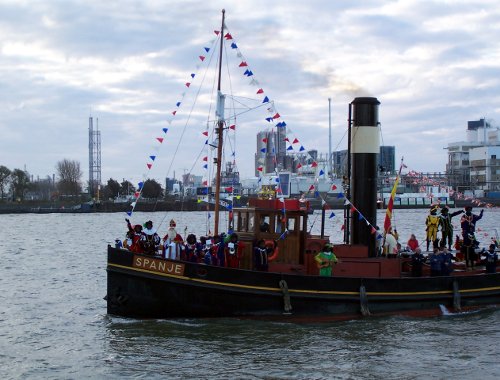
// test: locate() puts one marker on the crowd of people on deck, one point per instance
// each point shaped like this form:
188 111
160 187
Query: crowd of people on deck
440 259
224 250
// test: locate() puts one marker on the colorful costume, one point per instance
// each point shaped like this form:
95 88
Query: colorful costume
446 226
325 261
432 223
468 224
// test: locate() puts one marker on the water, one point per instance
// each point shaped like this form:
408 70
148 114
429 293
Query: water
53 321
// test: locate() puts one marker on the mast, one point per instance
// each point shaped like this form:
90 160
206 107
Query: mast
219 131
330 171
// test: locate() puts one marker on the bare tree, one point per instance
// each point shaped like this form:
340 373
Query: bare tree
69 175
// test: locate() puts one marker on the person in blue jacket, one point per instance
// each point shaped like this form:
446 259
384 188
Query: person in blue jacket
436 261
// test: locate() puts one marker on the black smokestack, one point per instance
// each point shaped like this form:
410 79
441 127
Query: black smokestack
365 145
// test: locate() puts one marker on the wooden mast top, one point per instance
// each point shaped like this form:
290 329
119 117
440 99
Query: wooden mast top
219 131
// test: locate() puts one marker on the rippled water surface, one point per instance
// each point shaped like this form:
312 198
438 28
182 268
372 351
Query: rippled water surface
53 321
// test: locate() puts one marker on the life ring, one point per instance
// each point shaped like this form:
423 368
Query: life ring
274 246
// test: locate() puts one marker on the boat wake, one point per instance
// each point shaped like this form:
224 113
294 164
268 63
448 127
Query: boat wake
447 313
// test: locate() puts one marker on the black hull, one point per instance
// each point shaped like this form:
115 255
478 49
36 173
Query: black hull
208 291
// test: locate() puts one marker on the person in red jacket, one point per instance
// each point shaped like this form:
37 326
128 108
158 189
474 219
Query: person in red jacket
412 243
233 250
135 234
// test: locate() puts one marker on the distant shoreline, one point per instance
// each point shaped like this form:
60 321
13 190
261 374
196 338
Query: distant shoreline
174 204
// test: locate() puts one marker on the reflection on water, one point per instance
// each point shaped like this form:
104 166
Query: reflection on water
53 321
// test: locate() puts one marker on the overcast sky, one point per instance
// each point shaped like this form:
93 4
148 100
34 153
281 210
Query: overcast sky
433 65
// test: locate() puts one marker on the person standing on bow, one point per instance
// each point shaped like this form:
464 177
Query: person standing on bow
134 235
150 241
469 243
432 224
326 259
446 226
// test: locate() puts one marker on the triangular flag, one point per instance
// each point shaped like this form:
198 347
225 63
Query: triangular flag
260 168
165 130
299 166
188 84
217 32
243 64
311 187
263 150
205 133
228 36
129 213
334 187
314 164
233 127
340 195
276 116
332 215
289 148
234 46
321 172
302 148
160 139
207 49
140 185
266 100
152 157
264 139
260 91
179 103
205 158
202 58
137 194
149 166
295 141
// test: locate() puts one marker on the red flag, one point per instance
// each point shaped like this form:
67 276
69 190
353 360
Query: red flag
243 64
229 189
260 168
299 166
311 187
205 133
205 183
188 84
276 116
217 32
202 58
295 141
260 91
228 36
205 158
174 112
314 164
149 166
334 187
264 139
233 127
160 139
136 194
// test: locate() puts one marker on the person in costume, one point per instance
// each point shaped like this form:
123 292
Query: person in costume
326 259
190 251
134 235
233 251
150 241
261 254
469 243
432 224
446 226
172 243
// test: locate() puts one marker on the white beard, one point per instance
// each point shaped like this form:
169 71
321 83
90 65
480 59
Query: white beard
171 233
